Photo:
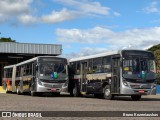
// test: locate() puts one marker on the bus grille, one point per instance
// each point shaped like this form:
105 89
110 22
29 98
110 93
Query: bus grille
140 86
53 86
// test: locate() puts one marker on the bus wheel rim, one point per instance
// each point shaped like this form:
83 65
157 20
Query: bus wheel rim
6 89
17 90
107 92
74 91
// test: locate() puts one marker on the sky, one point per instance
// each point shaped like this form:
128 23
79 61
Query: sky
82 27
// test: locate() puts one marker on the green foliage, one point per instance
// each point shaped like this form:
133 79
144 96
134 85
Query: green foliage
157 54
156 50
6 40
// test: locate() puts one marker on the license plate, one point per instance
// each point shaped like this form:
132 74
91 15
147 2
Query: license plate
141 91
53 89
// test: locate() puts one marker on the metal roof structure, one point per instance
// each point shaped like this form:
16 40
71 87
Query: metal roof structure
28 48
12 53
94 56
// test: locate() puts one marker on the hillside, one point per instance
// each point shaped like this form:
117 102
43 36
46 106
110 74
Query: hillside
3 39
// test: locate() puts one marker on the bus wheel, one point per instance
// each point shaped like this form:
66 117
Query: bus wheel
107 93
7 90
32 93
75 91
17 91
136 97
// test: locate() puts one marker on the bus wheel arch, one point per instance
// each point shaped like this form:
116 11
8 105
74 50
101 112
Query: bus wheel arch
105 84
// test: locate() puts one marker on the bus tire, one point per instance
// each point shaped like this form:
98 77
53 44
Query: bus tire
75 92
136 97
7 90
17 91
33 93
107 93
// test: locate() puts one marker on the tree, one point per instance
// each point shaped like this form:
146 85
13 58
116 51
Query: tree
156 50
6 40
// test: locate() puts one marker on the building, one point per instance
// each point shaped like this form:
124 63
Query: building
13 52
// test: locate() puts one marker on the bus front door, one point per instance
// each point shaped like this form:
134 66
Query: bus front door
83 78
115 81
33 80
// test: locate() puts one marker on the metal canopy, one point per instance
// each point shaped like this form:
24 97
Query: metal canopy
12 53
28 48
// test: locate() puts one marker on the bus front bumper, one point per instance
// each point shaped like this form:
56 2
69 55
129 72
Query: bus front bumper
49 88
129 91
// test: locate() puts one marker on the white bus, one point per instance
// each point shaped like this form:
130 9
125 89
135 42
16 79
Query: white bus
37 75
125 72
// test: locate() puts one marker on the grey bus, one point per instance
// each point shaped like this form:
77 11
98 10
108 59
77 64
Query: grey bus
37 75
125 72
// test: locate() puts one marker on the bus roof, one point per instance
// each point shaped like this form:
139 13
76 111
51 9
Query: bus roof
9 66
35 58
103 54
94 56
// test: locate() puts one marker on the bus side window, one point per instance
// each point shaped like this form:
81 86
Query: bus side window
72 69
97 65
90 66
27 69
30 68
24 71
78 68
10 72
106 64
18 72
6 73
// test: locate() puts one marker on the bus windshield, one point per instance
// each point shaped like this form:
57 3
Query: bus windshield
46 69
139 68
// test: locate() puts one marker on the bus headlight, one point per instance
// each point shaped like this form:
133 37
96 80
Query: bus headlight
125 83
39 82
